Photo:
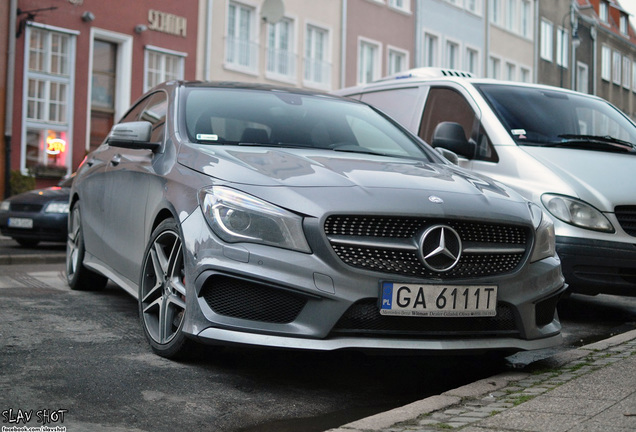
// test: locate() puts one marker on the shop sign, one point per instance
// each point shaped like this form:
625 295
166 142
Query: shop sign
167 23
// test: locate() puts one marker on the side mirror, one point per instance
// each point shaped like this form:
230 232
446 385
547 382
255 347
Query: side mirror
448 155
450 136
132 135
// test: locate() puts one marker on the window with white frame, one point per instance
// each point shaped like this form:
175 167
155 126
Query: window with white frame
511 71
398 60
162 65
431 50
281 58
473 6
317 60
403 5
50 57
606 63
471 63
241 49
511 15
494 67
634 76
546 40
526 19
627 66
495 11
623 24
368 61
582 77
452 55
526 76
562 44
603 12
616 67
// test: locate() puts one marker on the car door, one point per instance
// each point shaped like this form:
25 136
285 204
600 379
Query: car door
129 174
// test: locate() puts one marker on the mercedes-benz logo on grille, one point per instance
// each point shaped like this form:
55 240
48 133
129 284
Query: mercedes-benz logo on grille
440 248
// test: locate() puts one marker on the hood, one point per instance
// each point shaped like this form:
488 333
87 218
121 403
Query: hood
315 181
41 196
602 179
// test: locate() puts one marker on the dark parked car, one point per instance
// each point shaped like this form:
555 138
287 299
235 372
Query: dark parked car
37 215
276 217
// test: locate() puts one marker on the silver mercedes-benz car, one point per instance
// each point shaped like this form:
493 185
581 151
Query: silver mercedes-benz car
276 217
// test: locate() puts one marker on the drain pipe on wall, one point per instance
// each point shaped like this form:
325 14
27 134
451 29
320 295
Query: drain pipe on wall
9 97
343 46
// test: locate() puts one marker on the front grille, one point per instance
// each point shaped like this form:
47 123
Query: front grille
626 216
389 245
243 299
363 318
25 207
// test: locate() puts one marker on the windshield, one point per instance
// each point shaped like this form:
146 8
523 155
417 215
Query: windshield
273 118
536 116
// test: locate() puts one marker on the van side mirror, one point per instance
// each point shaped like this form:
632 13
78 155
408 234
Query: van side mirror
450 136
132 135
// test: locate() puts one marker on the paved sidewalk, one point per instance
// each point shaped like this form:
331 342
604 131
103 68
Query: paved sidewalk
589 389
45 253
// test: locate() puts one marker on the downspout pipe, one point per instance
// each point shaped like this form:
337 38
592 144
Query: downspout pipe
8 125
343 45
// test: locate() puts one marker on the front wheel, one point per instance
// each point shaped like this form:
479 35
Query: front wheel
162 292
78 276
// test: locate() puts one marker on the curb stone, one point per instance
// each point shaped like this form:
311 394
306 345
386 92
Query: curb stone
468 404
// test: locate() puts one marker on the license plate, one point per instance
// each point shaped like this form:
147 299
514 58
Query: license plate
438 300
20 223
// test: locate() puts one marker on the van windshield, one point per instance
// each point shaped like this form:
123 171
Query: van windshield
546 117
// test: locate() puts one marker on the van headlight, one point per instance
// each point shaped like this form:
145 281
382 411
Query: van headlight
238 217
544 240
576 212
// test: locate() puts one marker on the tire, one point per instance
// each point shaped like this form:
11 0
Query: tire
79 277
25 242
162 292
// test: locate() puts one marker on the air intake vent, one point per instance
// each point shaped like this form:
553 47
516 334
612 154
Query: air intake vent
626 216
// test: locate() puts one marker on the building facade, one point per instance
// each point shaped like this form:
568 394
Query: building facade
589 46
511 40
451 34
295 43
378 39
79 65
78 68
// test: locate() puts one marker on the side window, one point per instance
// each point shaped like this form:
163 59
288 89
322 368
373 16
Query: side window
133 113
155 112
399 104
445 104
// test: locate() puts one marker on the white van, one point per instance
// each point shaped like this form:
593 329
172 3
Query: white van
572 153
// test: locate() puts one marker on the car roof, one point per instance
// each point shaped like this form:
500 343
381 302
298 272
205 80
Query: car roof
438 75
241 86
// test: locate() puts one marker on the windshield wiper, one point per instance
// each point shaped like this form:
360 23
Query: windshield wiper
597 141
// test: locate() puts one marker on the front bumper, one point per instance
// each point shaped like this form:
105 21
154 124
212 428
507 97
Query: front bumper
46 226
598 267
258 295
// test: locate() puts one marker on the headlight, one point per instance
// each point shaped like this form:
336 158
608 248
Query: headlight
56 207
576 212
544 244
237 217
4 206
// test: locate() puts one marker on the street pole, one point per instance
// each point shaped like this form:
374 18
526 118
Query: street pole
9 97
